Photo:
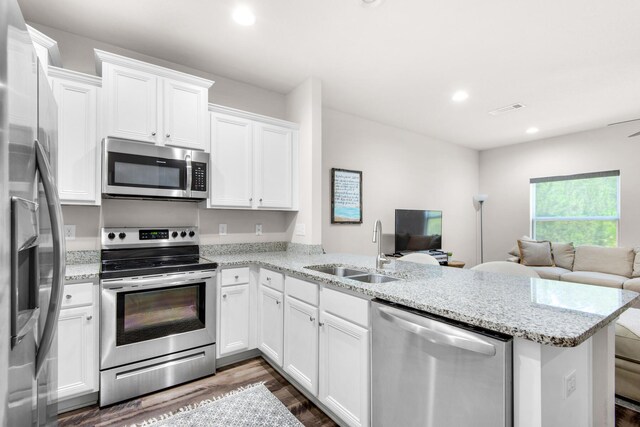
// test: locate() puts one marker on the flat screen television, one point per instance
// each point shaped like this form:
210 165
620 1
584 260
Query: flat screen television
418 230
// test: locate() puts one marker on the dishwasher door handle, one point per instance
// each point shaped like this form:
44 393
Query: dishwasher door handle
452 339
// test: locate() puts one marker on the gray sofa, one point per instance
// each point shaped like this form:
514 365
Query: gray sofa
614 268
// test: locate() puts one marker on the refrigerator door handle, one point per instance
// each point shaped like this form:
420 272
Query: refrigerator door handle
453 339
57 234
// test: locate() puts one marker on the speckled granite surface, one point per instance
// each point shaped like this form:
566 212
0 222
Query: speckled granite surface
82 271
242 248
82 257
562 314
302 249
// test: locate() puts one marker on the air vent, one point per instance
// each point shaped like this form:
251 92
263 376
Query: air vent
506 109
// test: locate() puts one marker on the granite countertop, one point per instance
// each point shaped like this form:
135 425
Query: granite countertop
561 314
82 271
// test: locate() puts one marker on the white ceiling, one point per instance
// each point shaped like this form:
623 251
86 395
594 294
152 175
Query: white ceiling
575 64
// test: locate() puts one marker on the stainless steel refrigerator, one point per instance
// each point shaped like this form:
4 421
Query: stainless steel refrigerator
31 231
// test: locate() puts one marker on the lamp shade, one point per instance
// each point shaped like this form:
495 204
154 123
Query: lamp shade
480 198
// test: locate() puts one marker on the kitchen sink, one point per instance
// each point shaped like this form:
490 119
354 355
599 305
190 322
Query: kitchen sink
373 278
337 270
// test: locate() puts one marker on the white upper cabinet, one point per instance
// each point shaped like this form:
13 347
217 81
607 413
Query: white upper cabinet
46 49
153 104
254 161
231 161
77 96
185 115
274 166
131 103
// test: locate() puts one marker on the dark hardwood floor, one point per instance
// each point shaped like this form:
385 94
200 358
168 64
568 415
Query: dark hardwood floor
225 380
229 378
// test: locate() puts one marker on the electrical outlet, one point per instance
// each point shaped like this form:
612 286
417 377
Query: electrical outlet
300 230
569 384
258 229
70 232
222 229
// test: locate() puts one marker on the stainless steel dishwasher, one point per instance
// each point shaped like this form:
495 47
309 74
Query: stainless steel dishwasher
433 372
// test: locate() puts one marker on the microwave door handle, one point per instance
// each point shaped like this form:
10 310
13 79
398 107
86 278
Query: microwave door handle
57 226
189 174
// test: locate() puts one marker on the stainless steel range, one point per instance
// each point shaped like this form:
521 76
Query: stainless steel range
157 310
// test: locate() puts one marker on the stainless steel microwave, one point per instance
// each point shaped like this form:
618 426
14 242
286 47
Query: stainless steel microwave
132 169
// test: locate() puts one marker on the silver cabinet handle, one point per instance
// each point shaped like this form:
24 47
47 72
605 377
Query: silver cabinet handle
260 200
224 295
268 279
449 336
153 134
251 199
237 277
67 296
57 235
311 319
89 317
277 302
168 135
320 324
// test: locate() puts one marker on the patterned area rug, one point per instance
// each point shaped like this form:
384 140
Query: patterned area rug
253 405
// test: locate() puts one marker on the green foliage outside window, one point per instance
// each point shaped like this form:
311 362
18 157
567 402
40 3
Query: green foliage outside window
582 211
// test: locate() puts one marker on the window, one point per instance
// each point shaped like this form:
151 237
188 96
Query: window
583 209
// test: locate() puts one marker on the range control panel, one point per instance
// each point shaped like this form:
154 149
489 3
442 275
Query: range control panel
127 237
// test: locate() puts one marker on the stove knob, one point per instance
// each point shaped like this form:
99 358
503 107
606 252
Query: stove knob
192 233
111 236
183 233
122 235
174 234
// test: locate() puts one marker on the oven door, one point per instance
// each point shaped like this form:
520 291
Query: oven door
147 317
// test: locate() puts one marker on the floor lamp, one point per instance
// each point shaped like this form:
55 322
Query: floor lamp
478 201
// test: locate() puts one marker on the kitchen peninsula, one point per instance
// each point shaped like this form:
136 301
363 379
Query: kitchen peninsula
558 327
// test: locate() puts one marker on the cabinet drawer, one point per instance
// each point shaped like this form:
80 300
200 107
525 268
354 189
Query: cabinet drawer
235 276
348 307
272 279
302 290
77 294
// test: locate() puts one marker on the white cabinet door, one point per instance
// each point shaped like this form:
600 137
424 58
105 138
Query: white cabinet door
231 161
344 369
301 343
234 319
77 358
131 104
270 332
274 166
78 152
185 115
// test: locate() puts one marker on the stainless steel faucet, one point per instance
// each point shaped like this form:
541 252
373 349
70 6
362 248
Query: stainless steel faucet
381 259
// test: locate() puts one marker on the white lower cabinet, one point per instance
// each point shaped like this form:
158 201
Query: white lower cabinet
235 316
78 341
301 342
344 369
270 326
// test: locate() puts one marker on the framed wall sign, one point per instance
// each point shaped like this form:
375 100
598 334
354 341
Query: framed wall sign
346 196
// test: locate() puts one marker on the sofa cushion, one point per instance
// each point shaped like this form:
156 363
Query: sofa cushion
617 261
628 335
632 285
636 263
551 273
594 278
515 250
535 253
563 254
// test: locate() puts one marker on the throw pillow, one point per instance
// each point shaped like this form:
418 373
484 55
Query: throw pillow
636 263
535 254
515 250
563 254
618 261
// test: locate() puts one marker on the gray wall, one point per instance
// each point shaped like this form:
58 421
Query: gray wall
400 170
505 174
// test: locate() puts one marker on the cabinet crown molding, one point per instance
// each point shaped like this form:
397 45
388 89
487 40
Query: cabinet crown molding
62 73
47 42
215 108
102 56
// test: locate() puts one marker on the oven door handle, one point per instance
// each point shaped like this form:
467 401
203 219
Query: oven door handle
155 282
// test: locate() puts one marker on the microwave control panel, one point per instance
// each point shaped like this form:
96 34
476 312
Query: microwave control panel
198 176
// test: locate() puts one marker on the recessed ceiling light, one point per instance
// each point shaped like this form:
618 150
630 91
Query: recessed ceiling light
244 16
460 96
532 130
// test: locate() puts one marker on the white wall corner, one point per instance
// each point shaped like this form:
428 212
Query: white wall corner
304 106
